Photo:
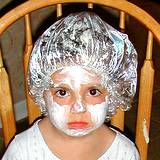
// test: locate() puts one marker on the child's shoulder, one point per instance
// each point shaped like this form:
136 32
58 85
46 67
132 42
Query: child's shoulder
23 144
122 147
123 141
30 133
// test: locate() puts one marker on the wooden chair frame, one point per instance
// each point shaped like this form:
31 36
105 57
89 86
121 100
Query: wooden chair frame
146 82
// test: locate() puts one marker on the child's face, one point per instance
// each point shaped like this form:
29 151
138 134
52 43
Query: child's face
77 104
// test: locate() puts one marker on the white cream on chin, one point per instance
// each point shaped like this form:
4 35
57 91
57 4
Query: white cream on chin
58 116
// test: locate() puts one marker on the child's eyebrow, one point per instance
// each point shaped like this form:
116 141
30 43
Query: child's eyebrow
99 86
95 84
61 85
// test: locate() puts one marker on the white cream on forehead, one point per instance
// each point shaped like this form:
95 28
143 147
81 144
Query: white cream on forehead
58 115
74 76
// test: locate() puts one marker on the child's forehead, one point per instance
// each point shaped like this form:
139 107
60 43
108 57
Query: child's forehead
76 73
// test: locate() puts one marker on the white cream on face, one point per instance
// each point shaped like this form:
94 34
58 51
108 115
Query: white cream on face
58 116
57 113
98 113
74 77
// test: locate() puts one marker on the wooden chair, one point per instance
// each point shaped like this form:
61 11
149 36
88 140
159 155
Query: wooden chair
146 82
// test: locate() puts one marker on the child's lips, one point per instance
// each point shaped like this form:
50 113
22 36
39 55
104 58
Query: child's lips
78 125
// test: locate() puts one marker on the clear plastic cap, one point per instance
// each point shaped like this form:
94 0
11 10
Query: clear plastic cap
84 39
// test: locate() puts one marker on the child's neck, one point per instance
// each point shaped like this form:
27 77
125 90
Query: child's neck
63 145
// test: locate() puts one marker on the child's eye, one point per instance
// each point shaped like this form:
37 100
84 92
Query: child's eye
94 92
62 93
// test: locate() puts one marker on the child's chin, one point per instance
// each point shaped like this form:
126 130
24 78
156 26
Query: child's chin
79 132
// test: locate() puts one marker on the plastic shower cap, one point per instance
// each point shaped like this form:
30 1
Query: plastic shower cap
84 39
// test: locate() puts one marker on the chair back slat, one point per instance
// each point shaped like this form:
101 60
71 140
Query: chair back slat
122 20
1 61
90 5
6 106
32 108
118 119
59 10
28 42
144 107
149 46
145 101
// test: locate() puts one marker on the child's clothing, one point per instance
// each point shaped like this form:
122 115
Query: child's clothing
30 145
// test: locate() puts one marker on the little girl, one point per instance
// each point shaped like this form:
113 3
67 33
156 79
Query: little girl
80 70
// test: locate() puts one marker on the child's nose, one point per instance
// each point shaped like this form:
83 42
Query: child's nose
78 107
